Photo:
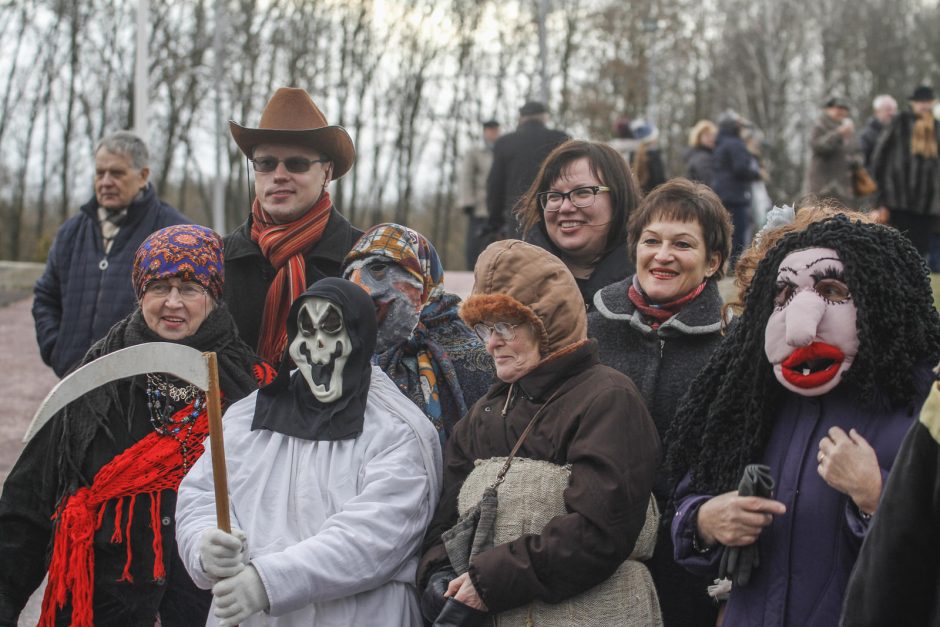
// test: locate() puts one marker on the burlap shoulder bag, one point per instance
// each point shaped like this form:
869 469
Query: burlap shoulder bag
473 532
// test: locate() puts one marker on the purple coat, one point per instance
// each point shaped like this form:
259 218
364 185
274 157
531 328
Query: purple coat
807 554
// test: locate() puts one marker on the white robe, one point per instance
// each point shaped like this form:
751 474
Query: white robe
334 527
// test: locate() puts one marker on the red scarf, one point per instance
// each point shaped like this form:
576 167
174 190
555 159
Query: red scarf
152 465
284 245
655 315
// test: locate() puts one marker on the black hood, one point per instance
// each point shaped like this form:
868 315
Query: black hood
288 405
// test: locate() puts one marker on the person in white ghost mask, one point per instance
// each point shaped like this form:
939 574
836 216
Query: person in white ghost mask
333 477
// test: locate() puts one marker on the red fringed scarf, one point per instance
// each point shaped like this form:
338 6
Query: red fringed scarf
283 245
658 314
152 465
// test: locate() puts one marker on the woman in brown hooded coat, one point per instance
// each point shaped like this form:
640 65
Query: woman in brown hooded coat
588 419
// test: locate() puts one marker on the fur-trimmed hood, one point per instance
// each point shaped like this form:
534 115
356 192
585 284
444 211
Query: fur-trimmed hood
515 280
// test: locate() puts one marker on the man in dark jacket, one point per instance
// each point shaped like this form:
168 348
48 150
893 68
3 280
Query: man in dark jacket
294 236
735 169
906 167
885 108
517 157
86 287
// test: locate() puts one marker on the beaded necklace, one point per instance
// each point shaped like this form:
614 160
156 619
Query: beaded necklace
164 400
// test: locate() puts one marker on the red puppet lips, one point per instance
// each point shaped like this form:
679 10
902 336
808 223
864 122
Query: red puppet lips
812 366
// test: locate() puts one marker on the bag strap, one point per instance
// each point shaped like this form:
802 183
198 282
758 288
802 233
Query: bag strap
501 476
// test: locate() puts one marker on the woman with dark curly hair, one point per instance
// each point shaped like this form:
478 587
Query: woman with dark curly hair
819 380
577 209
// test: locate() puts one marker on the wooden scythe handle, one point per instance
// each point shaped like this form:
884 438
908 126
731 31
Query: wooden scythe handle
219 475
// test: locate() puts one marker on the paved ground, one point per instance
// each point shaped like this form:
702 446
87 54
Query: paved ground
25 382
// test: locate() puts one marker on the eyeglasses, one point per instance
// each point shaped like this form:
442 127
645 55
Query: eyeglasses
580 197
187 291
504 330
297 165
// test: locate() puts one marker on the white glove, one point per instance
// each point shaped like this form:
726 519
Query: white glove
221 554
238 597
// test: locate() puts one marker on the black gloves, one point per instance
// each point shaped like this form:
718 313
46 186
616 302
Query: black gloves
433 599
737 562
456 614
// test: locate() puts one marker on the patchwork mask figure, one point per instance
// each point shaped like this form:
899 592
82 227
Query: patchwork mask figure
401 271
321 347
331 335
433 357
811 337
397 296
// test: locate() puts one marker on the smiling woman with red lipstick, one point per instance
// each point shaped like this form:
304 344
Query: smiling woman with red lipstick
819 380
659 327
577 209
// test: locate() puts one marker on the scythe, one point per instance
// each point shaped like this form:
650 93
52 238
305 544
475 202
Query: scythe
183 362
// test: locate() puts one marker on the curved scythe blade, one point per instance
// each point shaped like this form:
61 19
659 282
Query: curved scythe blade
180 361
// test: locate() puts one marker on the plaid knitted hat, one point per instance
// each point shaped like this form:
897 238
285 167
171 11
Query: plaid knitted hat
186 251
406 247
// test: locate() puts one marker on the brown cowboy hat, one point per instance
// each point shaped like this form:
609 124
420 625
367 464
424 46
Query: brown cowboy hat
291 117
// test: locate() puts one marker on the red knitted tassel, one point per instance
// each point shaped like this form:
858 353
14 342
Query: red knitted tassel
116 536
159 570
126 575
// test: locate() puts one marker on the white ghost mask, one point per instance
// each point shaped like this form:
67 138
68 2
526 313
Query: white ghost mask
321 348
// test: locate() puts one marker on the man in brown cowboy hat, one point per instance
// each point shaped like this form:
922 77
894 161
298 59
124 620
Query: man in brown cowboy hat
294 236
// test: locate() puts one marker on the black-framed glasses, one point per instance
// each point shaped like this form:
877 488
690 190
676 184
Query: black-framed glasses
188 291
504 330
580 197
297 165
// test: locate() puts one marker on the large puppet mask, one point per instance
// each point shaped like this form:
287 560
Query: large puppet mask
811 338
397 295
321 348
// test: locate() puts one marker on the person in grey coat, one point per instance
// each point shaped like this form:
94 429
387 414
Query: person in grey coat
659 327
834 152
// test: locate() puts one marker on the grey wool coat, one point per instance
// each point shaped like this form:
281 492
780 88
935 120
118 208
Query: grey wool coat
662 363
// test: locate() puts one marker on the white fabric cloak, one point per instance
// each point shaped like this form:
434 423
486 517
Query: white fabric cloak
334 527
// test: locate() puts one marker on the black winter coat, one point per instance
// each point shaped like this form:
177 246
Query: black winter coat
248 273
83 291
735 168
906 183
700 164
517 157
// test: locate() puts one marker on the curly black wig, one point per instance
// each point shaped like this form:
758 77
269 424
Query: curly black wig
725 420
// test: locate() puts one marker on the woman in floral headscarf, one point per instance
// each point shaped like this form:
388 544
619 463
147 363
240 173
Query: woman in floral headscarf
97 485
435 359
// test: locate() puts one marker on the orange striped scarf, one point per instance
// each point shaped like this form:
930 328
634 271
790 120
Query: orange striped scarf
284 245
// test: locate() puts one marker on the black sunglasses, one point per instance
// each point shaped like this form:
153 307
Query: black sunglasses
297 165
